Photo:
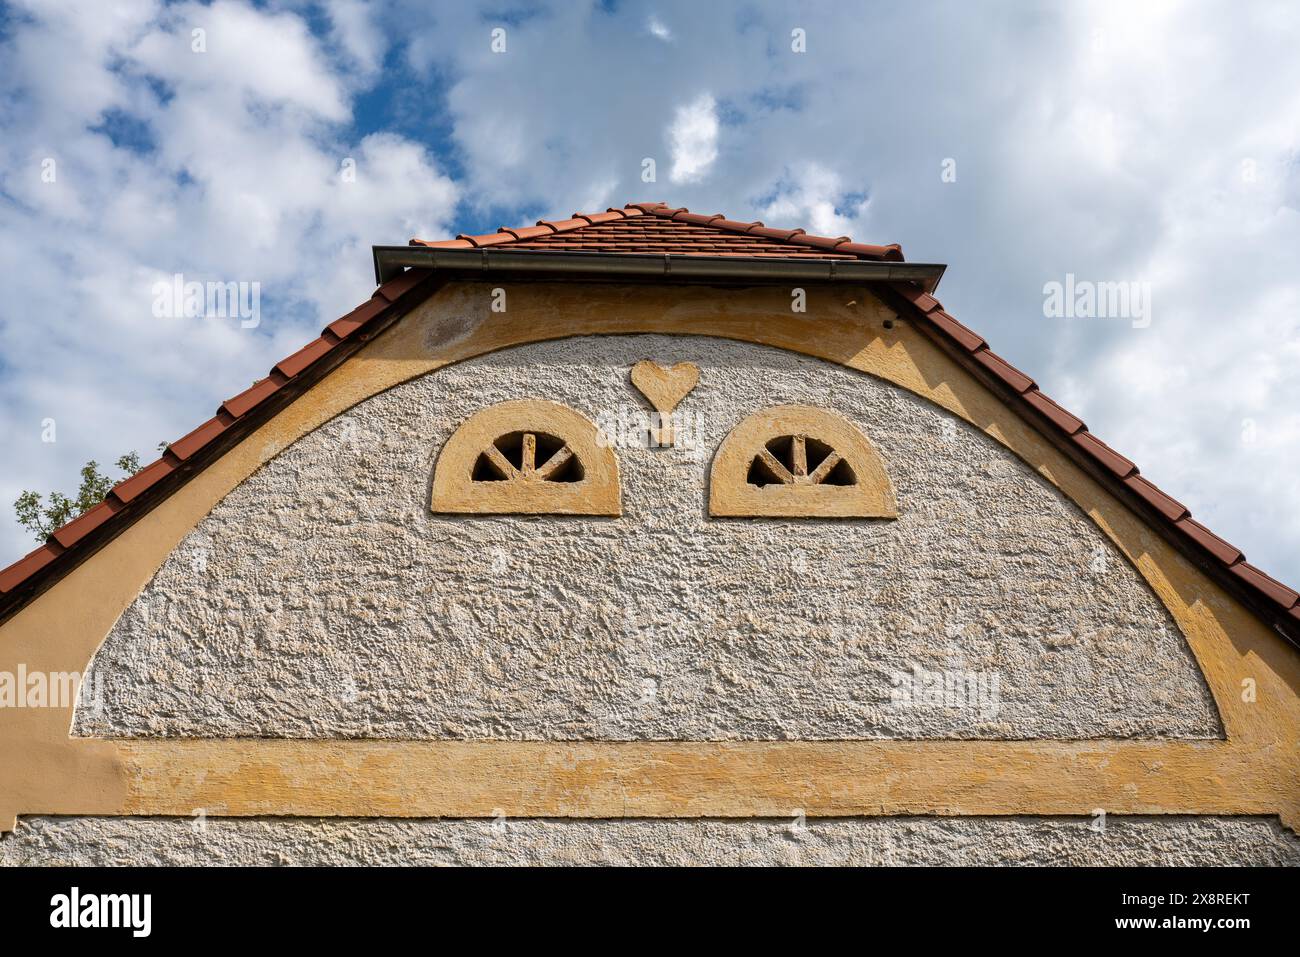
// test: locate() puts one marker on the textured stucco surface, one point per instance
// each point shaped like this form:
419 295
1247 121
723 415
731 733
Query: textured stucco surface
322 598
1176 841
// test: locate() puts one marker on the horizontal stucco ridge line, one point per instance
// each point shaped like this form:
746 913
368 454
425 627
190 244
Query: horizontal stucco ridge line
690 779
1277 604
133 497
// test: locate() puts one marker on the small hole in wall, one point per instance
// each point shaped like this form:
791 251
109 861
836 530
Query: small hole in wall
888 323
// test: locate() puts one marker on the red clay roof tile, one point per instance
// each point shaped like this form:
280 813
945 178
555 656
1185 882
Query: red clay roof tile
488 239
27 566
769 233
1224 552
1104 454
527 232
290 366
918 297
891 253
821 242
1063 420
672 236
563 225
358 317
1165 504
445 244
597 218
1004 370
954 329
400 285
656 228
143 480
84 524
256 393
699 219
185 447
1275 590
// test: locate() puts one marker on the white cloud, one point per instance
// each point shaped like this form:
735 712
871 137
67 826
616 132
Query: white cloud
693 140
659 29
239 180
812 196
355 30
251 58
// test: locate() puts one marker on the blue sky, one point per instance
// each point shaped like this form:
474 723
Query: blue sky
1156 143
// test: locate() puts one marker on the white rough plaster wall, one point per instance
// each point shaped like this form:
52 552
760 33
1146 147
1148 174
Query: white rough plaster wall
1171 841
322 598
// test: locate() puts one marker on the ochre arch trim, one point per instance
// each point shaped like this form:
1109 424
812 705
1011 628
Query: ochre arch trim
843 478
1253 771
528 457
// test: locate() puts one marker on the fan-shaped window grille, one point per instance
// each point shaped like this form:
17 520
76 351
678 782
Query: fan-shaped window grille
798 461
526 457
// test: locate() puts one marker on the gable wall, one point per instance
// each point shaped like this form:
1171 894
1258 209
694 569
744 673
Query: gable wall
323 599
1252 772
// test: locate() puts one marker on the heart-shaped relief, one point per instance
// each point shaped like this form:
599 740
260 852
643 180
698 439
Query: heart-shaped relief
664 387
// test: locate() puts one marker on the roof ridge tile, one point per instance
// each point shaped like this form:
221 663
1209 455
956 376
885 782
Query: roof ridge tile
133 486
969 340
1225 552
1003 369
85 523
29 565
1103 453
662 215
487 239
1162 501
1274 589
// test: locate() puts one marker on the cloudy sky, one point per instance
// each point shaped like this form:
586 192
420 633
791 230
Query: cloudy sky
1152 143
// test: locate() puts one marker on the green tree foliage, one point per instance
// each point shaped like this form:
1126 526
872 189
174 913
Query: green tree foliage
40 517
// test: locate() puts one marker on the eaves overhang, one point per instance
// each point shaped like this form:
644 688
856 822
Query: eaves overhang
539 265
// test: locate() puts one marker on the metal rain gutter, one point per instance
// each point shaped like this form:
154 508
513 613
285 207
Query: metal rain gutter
539 264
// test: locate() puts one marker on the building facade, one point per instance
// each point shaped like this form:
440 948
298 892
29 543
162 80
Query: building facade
647 537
